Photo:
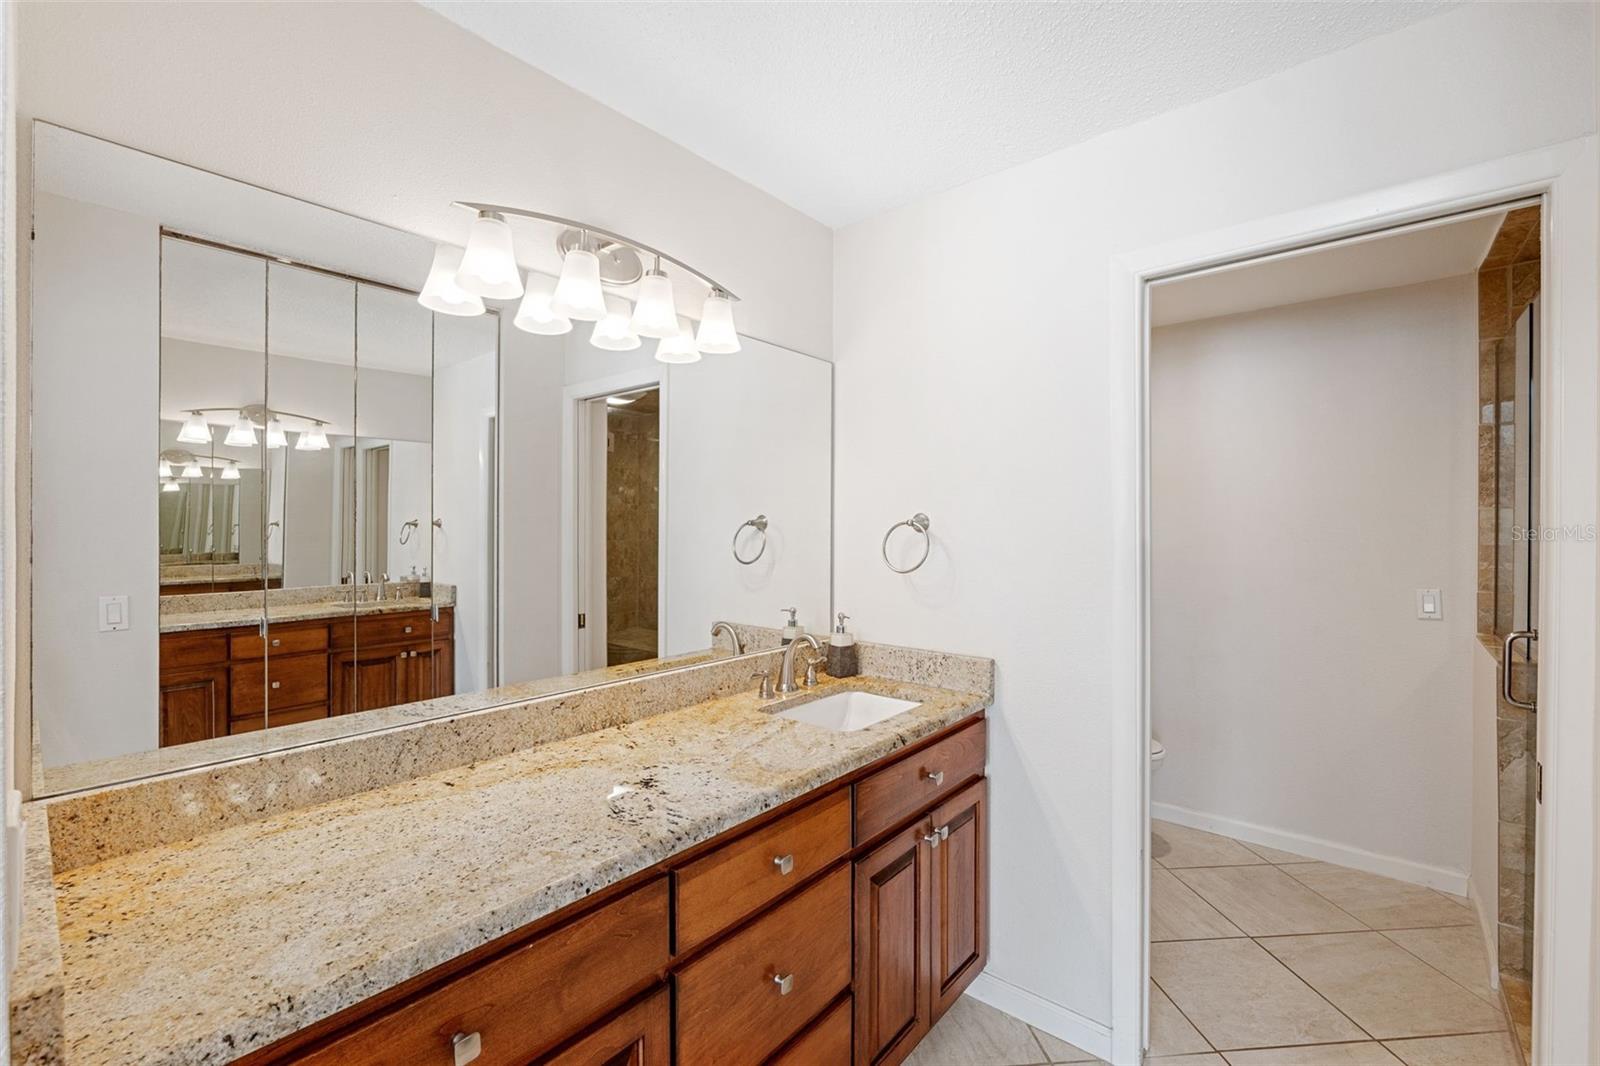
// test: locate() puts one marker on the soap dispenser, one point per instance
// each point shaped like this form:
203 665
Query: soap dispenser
793 629
843 660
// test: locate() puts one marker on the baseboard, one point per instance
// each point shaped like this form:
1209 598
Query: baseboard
1488 928
1041 1013
1452 881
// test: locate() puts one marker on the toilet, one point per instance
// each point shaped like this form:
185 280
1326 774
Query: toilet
1158 752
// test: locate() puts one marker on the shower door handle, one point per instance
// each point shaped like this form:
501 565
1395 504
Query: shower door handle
1505 667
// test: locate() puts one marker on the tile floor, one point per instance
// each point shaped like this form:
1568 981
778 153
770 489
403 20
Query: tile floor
1264 958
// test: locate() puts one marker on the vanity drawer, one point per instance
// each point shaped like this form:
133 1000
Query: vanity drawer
523 1002
736 879
731 1005
280 640
199 648
294 680
826 1041
370 630
912 784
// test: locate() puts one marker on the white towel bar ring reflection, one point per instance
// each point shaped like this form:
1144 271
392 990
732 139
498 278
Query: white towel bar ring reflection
759 523
918 522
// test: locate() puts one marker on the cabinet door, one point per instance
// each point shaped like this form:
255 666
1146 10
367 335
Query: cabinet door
638 1036
364 679
193 705
959 902
892 1003
428 671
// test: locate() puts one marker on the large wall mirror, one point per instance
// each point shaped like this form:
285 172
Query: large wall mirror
277 501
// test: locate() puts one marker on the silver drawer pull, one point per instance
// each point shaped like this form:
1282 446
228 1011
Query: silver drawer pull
936 776
932 838
408 629
276 642
467 1046
785 864
785 983
275 684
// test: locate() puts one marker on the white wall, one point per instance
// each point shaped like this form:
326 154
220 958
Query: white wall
973 384
464 405
95 533
1484 888
1311 467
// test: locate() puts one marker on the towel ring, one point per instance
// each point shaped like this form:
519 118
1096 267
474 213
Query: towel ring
760 524
918 522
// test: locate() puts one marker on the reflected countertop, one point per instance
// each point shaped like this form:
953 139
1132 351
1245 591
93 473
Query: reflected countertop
231 617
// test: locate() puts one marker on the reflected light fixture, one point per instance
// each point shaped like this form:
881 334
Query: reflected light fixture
536 314
194 430
680 347
614 332
170 486
165 469
192 470
311 440
595 265
717 335
489 263
275 435
441 293
230 472
242 434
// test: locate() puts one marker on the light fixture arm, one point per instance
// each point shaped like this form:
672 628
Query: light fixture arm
644 249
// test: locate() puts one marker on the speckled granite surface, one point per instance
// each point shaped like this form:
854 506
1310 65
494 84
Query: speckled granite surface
181 614
200 950
38 993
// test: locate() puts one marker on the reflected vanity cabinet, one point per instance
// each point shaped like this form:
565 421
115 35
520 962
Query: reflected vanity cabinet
218 682
835 929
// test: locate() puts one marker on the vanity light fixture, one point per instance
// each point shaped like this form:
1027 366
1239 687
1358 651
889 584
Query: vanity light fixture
194 430
311 440
441 293
165 469
242 434
614 332
275 435
680 347
489 263
170 486
192 470
230 472
592 259
536 313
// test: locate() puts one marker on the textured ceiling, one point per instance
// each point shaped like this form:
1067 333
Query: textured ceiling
847 109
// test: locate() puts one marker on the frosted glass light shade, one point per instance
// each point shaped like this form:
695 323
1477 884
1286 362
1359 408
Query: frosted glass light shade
169 486
312 440
230 472
164 470
489 263
614 332
242 434
194 430
578 293
679 348
717 335
193 471
654 315
441 293
275 436
535 314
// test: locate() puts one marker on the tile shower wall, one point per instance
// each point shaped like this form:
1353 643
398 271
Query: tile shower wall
1508 281
633 468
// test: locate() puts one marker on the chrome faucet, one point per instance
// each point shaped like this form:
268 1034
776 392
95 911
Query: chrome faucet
733 635
383 586
786 676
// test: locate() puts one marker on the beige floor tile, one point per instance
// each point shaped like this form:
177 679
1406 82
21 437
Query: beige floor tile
1058 1050
1170 1032
1208 1058
1176 913
1175 846
1456 951
972 1033
1273 855
1266 901
1366 1053
1382 987
1238 996
1479 1049
1381 902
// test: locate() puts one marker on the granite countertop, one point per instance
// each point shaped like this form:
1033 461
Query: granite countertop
206 573
202 950
184 621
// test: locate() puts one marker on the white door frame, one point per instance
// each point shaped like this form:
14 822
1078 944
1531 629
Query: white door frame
1568 177
652 376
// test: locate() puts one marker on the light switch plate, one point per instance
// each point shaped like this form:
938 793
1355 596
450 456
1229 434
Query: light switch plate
113 613
1430 604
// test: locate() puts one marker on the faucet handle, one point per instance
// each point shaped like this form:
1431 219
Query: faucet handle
811 670
765 690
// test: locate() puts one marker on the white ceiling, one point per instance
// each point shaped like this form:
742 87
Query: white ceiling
844 110
1381 261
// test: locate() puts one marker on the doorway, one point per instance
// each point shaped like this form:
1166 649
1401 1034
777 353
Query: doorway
619 528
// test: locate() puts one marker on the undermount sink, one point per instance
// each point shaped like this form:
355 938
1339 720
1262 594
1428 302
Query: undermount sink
846 712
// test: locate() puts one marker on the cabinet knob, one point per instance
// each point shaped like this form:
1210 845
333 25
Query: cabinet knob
934 837
275 684
785 983
408 629
467 1047
785 864
276 642
936 776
